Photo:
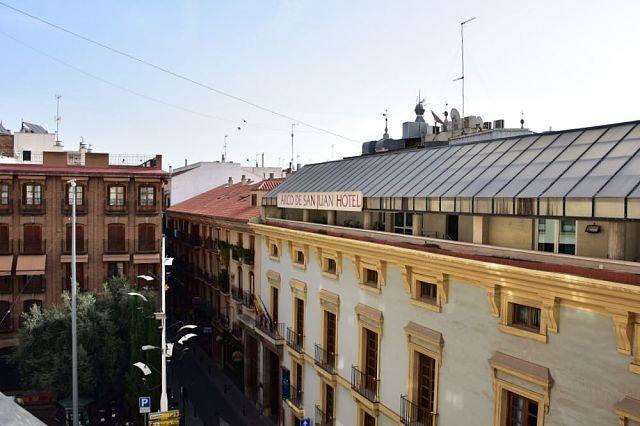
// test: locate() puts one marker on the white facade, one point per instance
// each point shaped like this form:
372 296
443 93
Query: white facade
589 374
35 142
191 180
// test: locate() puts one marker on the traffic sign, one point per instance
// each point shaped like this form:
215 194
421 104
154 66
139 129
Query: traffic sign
305 422
167 418
144 404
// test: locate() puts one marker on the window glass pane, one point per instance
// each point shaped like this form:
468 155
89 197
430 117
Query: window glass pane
546 234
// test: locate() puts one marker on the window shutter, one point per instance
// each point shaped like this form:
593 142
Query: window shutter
4 238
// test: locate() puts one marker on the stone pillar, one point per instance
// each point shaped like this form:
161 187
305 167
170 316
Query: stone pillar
305 215
388 222
331 217
617 235
417 224
367 220
480 230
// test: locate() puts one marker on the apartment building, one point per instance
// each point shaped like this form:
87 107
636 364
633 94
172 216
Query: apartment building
465 282
216 275
119 226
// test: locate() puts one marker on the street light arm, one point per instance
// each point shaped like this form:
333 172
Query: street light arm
186 337
133 293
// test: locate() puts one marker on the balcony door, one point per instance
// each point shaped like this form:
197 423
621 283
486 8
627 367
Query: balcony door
146 237
116 237
32 238
79 238
371 359
426 383
330 336
5 242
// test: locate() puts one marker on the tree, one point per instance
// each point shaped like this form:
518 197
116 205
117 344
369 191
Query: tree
112 327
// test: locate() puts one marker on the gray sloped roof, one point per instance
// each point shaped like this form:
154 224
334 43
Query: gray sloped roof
32 128
12 414
4 130
602 161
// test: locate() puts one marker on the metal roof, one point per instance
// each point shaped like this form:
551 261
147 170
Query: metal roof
32 128
3 130
595 162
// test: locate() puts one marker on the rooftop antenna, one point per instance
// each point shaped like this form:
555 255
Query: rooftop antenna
224 157
461 78
385 114
522 119
291 164
58 118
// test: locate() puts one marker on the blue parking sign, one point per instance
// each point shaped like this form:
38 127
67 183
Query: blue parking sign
144 404
305 422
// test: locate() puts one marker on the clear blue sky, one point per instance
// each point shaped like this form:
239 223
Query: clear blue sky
336 64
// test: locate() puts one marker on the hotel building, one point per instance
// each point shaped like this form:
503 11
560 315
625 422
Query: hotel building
119 226
463 276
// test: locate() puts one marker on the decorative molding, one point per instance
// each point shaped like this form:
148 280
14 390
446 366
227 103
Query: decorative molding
329 301
623 329
494 297
298 288
274 278
551 313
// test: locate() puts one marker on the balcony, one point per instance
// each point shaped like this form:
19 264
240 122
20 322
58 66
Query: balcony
33 284
6 246
116 246
81 246
236 330
210 244
7 325
33 209
66 283
365 384
295 340
222 320
66 207
236 293
33 247
248 299
248 258
295 397
414 415
322 418
272 330
147 246
223 283
325 360
115 209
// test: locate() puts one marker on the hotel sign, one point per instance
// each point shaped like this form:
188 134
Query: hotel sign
343 201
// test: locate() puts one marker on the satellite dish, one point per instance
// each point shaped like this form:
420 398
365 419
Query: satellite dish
455 119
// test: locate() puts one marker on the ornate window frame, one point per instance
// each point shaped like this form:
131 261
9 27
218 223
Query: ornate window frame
411 278
362 264
323 258
294 249
329 302
423 340
371 319
521 377
502 302
271 243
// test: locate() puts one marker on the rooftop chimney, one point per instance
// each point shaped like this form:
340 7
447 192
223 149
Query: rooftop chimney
271 175
230 180
243 180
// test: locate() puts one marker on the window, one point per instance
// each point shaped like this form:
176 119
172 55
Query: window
28 304
329 402
32 194
146 196
273 251
452 227
521 411
370 277
80 278
116 242
330 332
403 223
79 195
556 236
299 322
147 237
5 240
300 257
368 419
364 378
427 292
330 266
115 269
4 194
26 155
32 238
80 247
274 304
254 199
525 317
117 195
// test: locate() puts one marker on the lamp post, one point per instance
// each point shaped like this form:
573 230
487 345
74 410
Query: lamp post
74 312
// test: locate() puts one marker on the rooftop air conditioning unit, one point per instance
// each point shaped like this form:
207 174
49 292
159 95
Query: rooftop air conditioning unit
486 125
498 124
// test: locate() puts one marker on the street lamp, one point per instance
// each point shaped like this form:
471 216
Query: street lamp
133 293
186 337
143 367
74 306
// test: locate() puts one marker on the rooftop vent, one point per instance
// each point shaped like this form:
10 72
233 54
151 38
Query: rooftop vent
498 124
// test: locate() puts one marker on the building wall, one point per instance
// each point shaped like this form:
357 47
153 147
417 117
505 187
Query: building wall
511 232
589 375
35 142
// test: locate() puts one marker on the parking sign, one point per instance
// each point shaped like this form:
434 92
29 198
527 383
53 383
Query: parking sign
144 404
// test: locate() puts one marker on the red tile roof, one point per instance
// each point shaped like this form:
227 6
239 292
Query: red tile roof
38 169
225 202
269 184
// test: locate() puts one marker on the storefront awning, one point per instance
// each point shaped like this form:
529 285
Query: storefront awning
66 258
6 263
146 258
31 264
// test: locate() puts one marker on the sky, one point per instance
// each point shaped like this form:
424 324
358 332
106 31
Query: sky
337 65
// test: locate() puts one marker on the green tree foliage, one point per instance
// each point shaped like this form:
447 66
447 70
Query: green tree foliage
112 328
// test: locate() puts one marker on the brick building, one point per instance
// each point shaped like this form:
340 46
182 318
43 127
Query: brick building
119 216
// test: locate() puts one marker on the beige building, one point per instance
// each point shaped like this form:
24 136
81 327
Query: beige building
469 281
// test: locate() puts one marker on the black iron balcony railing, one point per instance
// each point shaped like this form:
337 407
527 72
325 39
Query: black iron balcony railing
236 293
210 244
325 359
248 299
413 415
116 246
295 340
6 287
6 246
33 284
295 396
81 246
33 209
33 247
7 325
236 330
66 207
322 418
248 258
275 331
148 246
223 320
223 284
365 384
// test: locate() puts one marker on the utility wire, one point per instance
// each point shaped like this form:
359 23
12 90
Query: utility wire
171 73
134 92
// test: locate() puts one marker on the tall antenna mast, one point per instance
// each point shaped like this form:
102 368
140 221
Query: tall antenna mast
386 127
461 78
225 148
58 118
291 164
